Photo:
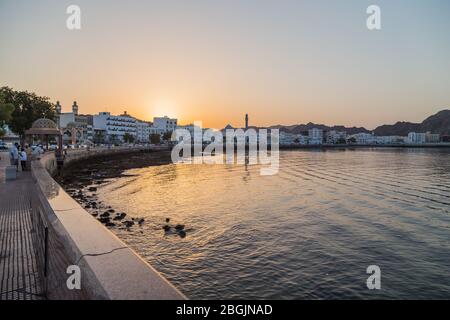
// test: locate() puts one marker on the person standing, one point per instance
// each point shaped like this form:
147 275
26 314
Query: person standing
14 153
23 159
28 151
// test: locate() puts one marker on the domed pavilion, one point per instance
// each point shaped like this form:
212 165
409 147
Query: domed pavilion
43 128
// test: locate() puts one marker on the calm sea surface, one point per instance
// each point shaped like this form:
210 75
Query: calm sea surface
308 232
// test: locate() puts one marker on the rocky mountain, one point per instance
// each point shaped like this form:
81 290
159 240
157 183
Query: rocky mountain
300 128
438 123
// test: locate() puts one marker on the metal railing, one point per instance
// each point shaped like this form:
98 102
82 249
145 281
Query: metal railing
51 255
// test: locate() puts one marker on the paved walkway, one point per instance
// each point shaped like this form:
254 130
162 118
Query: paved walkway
19 279
4 161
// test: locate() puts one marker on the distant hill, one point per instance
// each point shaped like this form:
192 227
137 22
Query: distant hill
299 128
438 123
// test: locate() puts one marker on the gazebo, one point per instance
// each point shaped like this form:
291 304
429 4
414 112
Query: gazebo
44 128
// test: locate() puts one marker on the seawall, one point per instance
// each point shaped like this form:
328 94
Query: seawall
70 241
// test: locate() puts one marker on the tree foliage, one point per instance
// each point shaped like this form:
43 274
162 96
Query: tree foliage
6 110
28 107
128 138
155 138
167 135
99 137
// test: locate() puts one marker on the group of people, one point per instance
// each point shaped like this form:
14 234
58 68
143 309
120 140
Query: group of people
21 154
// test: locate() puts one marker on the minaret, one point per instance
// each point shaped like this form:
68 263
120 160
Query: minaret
58 108
246 121
75 108
58 112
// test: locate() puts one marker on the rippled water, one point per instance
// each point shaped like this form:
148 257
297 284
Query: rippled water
309 232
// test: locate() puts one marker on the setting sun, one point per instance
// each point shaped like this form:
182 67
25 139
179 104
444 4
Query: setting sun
165 107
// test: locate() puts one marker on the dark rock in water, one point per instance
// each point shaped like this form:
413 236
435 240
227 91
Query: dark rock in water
104 219
182 233
167 220
128 223
141 221
105 214
120 216
179 227
111 210
92 189
110 224
95 214
166 228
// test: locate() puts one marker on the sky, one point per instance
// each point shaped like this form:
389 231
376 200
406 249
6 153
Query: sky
283 62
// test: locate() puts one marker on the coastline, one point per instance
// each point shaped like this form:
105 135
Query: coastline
82 178
375 146
81 183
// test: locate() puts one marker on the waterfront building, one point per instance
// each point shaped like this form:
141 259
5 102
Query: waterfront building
363 138
72 121
143 131
432 137
115 127
417 138
164 124
315 136
291 139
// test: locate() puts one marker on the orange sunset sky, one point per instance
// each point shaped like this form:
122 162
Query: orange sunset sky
283 62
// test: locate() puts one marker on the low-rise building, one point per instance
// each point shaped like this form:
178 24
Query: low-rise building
432 137
287 138
315 136
74 123
143 131
417 138
164 124
362 138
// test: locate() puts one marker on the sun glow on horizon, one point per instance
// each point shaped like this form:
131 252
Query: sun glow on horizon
165 107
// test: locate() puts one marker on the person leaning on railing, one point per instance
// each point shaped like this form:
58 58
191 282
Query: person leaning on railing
59 155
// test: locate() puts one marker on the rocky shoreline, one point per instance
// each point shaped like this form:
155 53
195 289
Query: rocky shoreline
82 179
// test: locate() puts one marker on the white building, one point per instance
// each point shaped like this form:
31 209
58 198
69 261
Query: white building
164 124
65 119
287 138
432 137
143 131
82 123
315 136
417 138
363 138
115 127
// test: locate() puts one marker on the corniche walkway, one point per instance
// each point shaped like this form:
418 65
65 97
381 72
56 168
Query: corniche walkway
19 279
